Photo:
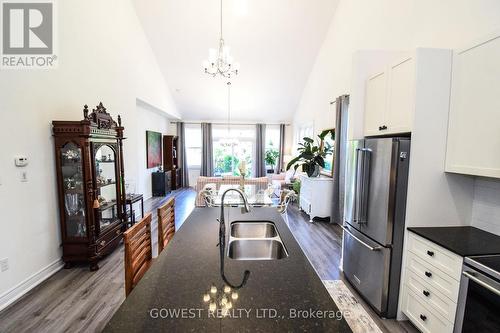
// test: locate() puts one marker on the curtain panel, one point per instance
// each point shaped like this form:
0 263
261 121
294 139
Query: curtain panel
206 150
280 165
260 150
340 153
181 133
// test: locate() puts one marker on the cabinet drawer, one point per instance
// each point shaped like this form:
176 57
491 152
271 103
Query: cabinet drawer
109 236
435 255
434 277
422 316
431 296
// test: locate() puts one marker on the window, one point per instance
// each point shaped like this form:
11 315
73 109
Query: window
272 147
231 146
303 131
193 145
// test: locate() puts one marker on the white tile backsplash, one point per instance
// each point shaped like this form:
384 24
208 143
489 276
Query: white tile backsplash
486 205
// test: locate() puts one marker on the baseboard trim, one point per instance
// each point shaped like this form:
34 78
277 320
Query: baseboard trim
18 291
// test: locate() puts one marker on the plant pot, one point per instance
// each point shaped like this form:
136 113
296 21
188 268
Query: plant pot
312 171
315 172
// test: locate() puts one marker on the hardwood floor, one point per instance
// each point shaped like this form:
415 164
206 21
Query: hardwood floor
77 300
320 241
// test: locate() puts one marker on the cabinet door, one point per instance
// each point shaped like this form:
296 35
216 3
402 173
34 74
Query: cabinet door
73 191
107 182
376 102
401 96
473 134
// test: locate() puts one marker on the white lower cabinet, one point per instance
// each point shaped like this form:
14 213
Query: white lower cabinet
423 316
431 284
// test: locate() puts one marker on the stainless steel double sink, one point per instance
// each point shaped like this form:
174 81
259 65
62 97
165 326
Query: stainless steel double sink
255 240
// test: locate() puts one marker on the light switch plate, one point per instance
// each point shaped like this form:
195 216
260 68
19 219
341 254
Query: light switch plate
24 176
4 264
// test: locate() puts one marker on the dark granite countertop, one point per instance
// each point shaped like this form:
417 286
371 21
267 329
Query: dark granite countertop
464 241
189 265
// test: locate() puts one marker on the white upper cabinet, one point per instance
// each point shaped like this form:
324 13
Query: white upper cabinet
376 101
400 107
473 145
390 99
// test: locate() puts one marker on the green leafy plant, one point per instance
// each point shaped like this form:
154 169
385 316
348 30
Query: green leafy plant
271 156
296 186
312 156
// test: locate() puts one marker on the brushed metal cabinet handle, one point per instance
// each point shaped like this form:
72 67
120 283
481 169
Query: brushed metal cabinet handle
371 248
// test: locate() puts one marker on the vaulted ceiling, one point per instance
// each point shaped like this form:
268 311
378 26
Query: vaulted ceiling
275 42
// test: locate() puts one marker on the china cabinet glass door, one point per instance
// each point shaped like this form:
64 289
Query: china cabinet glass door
73 190
106 184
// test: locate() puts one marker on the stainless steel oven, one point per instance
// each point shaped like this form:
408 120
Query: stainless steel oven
479 297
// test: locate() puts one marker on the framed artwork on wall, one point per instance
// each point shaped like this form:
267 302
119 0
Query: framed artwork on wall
153 149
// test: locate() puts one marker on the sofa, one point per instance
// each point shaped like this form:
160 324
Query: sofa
202 182
280 180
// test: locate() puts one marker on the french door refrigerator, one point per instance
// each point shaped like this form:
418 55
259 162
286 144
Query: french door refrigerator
374 218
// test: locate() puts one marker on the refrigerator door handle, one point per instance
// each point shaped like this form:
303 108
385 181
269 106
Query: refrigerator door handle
371 248
357 184
365 183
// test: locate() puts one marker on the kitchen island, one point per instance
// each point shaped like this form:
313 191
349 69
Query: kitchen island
280 295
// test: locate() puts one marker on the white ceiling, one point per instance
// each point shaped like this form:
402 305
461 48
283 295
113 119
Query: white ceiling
275 42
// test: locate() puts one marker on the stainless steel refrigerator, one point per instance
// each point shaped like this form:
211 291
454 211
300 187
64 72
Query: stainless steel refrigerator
374 218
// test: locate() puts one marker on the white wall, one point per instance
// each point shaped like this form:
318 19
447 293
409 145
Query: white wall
486 205
391 25
148 119
103 56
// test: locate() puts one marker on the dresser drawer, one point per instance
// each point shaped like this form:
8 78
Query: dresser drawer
109 236
435 255
440 281
430 296
424 317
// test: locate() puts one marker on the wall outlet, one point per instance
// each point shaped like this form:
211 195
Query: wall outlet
4 264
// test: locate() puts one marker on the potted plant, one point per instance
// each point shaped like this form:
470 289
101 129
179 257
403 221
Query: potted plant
270 157
311 157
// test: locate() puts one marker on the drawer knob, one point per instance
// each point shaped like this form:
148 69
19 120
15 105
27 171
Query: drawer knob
428 274
426 293
430 253
424 318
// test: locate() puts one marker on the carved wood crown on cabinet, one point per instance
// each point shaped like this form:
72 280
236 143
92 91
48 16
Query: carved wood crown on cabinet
89 167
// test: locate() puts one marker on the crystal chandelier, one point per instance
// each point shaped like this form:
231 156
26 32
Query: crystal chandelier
221 62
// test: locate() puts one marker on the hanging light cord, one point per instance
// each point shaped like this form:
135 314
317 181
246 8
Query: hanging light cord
228 107
220 19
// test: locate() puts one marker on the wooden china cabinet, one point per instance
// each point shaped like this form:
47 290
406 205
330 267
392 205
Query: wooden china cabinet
171 160
89 163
